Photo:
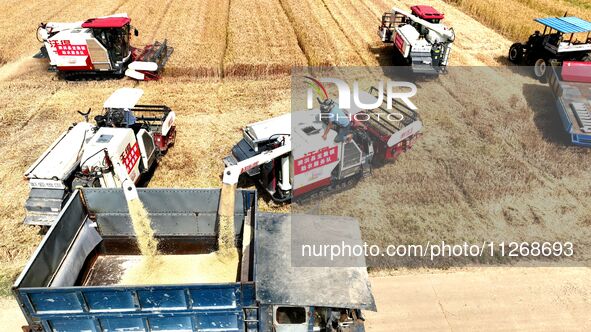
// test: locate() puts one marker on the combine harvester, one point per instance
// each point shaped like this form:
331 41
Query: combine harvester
571 85
86 155
419 38
557 43
73 282
314 165
100 48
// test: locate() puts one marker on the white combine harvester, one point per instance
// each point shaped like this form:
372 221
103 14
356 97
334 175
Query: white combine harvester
419 38
99 48
288 157
125 143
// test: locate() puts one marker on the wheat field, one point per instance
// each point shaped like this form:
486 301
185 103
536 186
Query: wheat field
468 177
514 18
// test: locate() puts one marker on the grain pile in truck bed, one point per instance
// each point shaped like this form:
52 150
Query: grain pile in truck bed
164 269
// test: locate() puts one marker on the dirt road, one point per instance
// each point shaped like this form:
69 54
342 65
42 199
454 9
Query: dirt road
487 299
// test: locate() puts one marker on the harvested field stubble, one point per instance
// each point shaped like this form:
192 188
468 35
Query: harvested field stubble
261 40
483 170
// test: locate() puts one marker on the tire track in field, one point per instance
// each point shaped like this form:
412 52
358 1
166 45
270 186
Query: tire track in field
226 38
291 20
121 4
160 19
351 44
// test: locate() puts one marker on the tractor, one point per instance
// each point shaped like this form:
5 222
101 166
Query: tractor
557 43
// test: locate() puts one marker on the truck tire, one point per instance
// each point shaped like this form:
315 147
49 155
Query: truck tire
540 70
516 53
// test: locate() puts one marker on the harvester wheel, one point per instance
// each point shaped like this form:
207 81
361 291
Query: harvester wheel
540 68
516 53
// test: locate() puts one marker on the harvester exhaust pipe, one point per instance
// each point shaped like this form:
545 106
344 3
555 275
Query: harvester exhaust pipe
285 174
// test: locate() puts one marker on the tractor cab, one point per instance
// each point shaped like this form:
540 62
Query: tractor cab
113 35
563 35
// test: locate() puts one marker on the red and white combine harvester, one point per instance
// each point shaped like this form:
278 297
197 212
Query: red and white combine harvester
290 157
125 143
418 37
100 48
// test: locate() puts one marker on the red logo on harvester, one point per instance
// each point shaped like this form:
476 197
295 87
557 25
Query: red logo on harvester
130 156
316 159
63 47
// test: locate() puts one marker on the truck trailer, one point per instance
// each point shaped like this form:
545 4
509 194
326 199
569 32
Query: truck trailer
73 282
571 86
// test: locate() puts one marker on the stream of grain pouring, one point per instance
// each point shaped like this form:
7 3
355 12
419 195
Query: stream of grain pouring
226 236
154 268
142 227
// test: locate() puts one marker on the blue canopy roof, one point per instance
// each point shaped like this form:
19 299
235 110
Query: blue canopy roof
569 24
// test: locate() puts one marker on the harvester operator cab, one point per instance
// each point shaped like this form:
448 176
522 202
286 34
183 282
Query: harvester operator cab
114 40
113 33
116 118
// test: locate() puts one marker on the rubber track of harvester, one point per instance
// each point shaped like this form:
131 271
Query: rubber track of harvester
88 76
320 193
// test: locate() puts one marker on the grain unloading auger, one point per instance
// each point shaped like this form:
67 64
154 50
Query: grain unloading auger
288 157
100 48
126 136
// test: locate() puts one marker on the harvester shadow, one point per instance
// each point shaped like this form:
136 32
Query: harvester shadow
385 55
541 100
146 177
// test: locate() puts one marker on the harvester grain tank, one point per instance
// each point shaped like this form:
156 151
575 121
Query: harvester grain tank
86 155
557 43
571 85
100 48
73 282
418 37
288 157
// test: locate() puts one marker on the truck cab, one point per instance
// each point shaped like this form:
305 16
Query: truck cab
288 318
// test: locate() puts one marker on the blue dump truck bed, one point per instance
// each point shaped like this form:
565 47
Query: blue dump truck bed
572 102
73 281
